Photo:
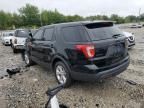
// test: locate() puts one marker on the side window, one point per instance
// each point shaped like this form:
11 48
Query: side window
48 34
38 35
74 34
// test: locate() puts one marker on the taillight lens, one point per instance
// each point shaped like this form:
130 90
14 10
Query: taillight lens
15 41
87 50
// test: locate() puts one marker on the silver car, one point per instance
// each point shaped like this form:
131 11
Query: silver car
7 37
130 39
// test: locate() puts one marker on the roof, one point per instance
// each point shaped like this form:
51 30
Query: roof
78 23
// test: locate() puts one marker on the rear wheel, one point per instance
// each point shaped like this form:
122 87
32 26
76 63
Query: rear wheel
62 74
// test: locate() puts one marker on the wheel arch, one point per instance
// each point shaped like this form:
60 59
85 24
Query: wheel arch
57 59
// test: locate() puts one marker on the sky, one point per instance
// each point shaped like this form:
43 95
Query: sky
80 7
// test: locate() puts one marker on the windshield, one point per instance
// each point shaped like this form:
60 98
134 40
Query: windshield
22 33
8 34
101 31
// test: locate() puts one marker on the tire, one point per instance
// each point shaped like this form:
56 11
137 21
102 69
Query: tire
27 59
61 68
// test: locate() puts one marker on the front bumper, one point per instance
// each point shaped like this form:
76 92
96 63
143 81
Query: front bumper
91 73
131 43
19 47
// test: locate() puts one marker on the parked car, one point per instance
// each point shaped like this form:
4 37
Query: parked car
130 39
18 41
86 51
136 26
7 37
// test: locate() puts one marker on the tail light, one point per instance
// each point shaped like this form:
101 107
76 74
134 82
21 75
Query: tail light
87 50
15 41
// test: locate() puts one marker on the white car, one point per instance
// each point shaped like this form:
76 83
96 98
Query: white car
130 39
7 37
18 41
136 26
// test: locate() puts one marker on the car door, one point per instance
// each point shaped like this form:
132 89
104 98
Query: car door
48 45
36 47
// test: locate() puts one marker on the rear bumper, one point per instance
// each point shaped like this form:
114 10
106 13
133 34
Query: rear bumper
90 73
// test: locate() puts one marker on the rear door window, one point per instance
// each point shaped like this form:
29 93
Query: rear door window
48 34
74 34
101 31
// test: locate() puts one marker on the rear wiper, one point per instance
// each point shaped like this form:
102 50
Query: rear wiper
117 35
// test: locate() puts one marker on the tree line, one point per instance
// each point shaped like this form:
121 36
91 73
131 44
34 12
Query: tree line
31 17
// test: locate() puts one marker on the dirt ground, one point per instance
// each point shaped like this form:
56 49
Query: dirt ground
27 89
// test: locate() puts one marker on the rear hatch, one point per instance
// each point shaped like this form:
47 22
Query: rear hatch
109 41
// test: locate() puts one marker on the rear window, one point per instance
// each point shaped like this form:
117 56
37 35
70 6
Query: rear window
74 34
22 33
101 31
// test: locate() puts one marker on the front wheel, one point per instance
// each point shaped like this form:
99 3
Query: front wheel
62 74
27 59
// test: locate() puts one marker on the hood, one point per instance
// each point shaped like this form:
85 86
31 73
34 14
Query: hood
21 40
8 37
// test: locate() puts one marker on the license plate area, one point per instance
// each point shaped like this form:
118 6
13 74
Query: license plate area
116 50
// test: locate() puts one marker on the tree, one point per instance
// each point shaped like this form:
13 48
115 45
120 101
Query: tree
117 18
52 17
130 18
5 20
30 15
142 17
74 18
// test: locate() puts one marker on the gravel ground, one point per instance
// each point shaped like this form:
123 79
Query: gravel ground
27 88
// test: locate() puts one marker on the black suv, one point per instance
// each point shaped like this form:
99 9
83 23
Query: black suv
86 51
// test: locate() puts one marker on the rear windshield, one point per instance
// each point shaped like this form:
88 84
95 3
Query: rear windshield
74 34
22 33
101 31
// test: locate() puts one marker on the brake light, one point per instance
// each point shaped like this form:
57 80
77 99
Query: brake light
15 41
87 50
